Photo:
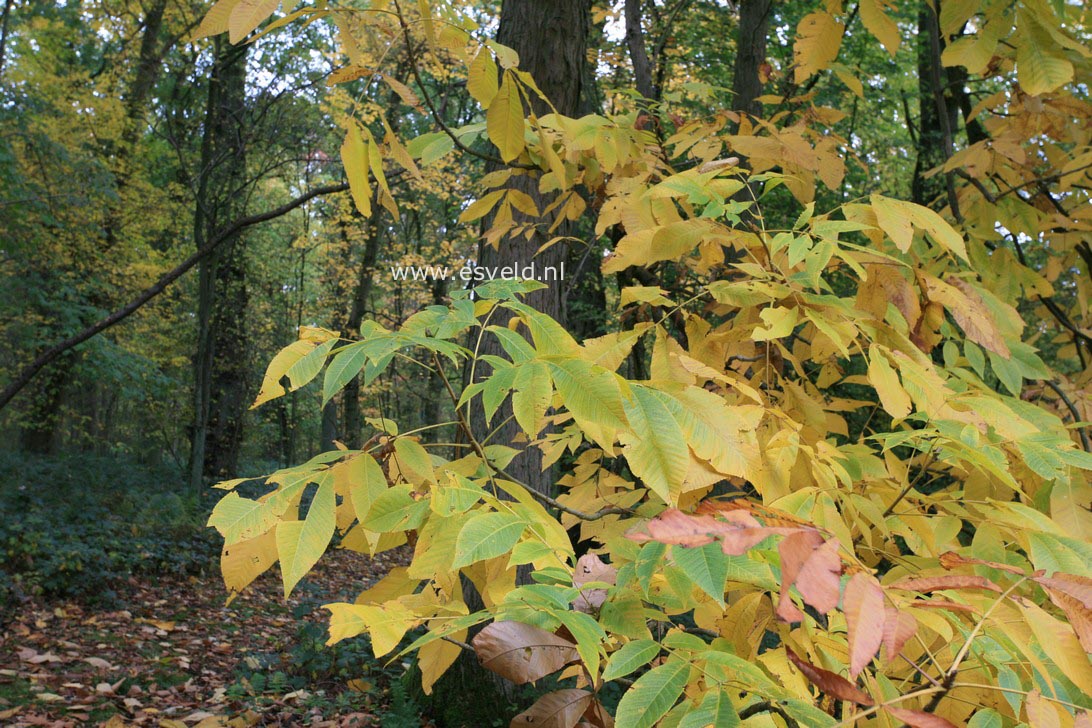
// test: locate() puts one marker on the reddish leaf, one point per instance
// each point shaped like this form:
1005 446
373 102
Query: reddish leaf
831 684
1083 720
794 550
1078 587
675 527
559 709
737 529
950 560
898 628
522 653
863 607
818 581
919 718
946 581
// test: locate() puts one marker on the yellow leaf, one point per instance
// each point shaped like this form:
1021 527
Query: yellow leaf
1040 68
481 80
504 120
248 15
244 561
215 20
355 158
818 39
895 400
386 624
879 25
436 657
1061 645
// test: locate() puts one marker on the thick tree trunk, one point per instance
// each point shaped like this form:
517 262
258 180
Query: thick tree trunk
220 376
754 24
550 37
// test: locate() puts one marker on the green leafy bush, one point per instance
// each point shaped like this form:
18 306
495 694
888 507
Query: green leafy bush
75 526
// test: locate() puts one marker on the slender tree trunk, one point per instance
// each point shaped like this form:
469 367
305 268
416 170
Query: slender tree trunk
220 364
5 20
353 418
931 125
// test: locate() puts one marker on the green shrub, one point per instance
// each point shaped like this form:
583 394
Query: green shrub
74 526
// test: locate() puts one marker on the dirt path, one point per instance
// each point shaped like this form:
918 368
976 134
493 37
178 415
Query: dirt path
174 655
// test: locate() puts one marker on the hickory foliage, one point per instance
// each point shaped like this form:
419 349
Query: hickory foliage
906 538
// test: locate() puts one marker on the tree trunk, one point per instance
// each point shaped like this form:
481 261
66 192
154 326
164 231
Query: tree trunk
220 376
932 125
754 23
550 37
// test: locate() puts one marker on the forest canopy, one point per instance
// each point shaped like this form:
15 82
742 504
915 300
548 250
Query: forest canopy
713 363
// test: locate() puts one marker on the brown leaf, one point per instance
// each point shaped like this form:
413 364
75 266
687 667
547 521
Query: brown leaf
950 560
794 551
968 310
818 581
522 653
863 607
831 684
559 709
898 628
1080 617
946 581
885 285
589 568
919 718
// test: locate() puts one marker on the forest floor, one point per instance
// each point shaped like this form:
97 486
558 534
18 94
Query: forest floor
169 653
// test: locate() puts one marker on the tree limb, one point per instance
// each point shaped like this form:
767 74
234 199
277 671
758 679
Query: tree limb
29 371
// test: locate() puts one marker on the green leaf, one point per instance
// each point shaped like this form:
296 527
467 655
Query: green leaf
300 544
309 366
593 397
656 451
715 710
986 718
632 656
345 365
486 536
652 695
396 510
706 565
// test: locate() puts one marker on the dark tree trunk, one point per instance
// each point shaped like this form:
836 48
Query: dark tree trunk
43 414
932 124
220 372
754 23
550 37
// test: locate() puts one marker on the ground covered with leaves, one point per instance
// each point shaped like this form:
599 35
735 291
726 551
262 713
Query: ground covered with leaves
168 652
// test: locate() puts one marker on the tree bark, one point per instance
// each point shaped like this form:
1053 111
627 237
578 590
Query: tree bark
754 24
935 115
219 364
550 37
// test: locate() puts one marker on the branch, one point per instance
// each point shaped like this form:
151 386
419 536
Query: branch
767 706
53 352
432 107
1073 411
